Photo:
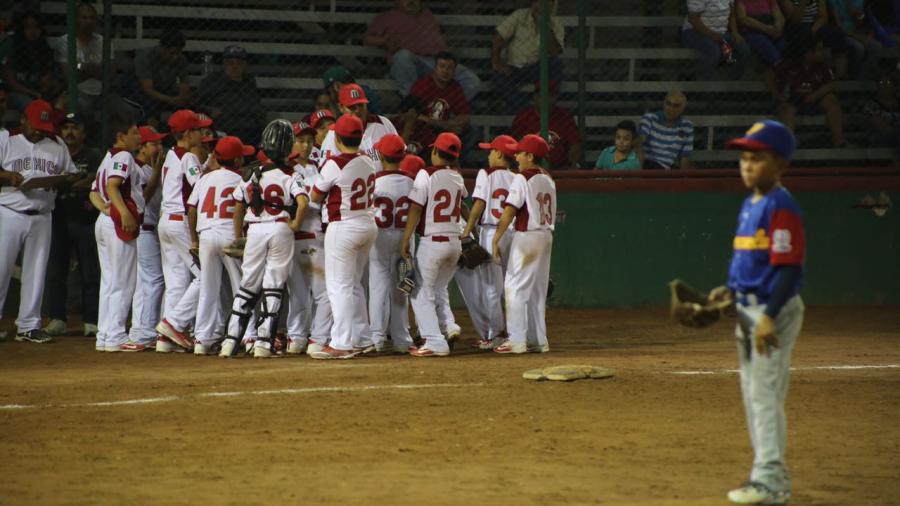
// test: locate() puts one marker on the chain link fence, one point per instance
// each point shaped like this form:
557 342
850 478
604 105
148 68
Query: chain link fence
614 62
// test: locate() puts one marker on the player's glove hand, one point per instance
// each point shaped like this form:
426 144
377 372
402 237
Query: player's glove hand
236 248
764 335
695 309
472 254
406 276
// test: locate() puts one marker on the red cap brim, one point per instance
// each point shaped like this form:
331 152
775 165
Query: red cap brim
485 145
748 145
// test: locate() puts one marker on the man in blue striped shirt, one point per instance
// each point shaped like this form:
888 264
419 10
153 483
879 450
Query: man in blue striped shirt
666 138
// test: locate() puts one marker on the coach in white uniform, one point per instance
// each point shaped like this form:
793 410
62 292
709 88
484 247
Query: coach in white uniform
25 215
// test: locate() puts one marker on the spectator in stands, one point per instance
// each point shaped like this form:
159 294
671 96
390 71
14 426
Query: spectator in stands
562 132
336 77
805 85
445 108
666 138
73 232
520 35
28 70
162 74
622 155
883 114
761 23
865 50
231 98
710 29
412 37
806 17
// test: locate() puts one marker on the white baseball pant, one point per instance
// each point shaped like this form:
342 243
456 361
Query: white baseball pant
182 276
309 310
470 287
118 274
264 272
526 287
148 290
388 306
210 320
435 266
31 235
347 245
492 278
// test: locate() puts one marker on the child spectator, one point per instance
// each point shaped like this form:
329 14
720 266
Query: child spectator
622 155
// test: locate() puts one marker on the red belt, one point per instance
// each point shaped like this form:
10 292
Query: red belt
279 220
176 217
439 238
299 236
148 228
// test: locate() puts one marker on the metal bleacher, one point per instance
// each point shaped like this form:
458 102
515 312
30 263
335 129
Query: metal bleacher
633 60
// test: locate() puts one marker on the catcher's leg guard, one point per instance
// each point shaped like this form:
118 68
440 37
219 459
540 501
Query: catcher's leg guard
267 322
241 311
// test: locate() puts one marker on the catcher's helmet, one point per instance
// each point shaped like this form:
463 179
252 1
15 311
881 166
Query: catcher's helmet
277 140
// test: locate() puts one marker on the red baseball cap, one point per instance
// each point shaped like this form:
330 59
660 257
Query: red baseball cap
183 120
117 221
352 94
321 115
391 145
531 143
348 125
231 148
500 143
149 134
412 164
302 127
39 114
448 143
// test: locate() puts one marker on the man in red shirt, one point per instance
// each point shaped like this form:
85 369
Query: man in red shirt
810 88
563 137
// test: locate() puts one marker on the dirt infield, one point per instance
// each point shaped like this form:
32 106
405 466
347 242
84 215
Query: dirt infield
93 428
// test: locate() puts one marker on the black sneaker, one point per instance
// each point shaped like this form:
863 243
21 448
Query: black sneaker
34 336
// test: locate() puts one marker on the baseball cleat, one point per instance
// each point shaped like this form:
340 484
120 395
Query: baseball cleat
228 347
425 351
262 349
164 345
90 329
510 347
100 344
205 349
56 327
538 348
757 493
180 338
483 344
34 336
129 347
365 349
314 347
329 353
297 346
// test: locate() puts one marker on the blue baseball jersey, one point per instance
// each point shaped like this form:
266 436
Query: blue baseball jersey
769 234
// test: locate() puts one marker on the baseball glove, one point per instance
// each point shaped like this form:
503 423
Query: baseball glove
472 254
406 275
696 309
236 248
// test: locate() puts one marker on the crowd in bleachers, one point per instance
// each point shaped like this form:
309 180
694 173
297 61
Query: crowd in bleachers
801 49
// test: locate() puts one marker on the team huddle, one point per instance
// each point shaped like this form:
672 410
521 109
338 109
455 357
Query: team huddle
316 246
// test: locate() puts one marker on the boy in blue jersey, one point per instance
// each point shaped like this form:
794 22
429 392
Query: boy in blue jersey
765 277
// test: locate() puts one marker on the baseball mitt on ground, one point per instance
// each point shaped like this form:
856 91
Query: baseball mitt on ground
236 248
696 309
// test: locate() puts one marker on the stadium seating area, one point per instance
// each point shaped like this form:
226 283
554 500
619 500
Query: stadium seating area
633 58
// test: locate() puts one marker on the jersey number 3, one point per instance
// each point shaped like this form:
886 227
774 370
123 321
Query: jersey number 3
385 217
545 201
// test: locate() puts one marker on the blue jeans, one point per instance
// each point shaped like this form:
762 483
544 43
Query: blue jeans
408 67
711 54
766 49
511 84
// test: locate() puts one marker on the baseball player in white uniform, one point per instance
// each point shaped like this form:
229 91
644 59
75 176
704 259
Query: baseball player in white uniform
180 172
263 202
211 223
149 287
117 191
532 204
346 186
321 122
436 210
491 189
388 306
353 101
25 215
308 324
